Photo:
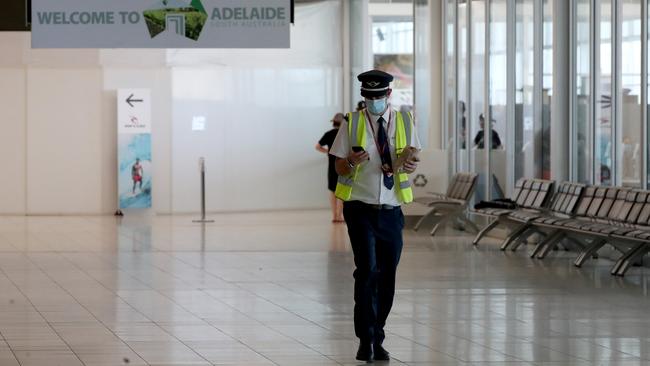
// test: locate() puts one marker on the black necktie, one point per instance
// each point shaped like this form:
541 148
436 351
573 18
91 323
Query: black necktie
384 153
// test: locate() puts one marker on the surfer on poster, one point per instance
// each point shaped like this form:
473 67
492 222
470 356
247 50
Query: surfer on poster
137 173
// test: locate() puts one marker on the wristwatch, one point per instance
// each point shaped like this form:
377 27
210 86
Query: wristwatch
350 163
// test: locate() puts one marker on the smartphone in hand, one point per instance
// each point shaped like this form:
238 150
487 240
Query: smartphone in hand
358 149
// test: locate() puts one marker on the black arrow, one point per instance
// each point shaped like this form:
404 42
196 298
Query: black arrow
131 101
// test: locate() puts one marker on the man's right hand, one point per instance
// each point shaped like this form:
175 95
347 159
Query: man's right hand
357 158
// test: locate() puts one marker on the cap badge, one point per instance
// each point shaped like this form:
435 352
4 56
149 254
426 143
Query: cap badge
373 84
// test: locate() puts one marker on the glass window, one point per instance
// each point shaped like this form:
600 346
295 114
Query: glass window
606 81
526 164
603 112
478 130
450 73
392 37
581 98
392 46
498 94
462 114
630 93
500 147
547 86
647 104
422 61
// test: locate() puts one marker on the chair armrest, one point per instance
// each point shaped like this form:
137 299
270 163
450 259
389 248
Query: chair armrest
449 202
427 199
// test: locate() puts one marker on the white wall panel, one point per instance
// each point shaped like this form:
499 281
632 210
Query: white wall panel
61 58
130 58
264 115
13 45
64 139
12 141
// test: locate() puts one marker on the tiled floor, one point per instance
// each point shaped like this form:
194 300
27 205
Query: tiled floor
276 289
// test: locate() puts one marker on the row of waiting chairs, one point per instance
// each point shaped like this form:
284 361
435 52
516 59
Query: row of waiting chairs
576 215
530 196
451 206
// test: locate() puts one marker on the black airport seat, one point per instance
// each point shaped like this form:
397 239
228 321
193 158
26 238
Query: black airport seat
603 215
560 208
530 196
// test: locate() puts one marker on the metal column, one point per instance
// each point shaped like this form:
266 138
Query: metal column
468 82
511 92
202 172
538 83
617 97
593 32
487 135
644 94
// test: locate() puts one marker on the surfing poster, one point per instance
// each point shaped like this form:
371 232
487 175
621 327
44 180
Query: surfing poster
134 149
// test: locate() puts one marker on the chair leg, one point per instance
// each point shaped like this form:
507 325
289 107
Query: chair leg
485 230
589 251
624 257
470 223
638 255
554 237
463 222
432 212
520 240
549 247
629 261
435 229
439 222
442 219
514 235
524 237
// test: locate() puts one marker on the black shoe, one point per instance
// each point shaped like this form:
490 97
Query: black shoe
380 353
365 352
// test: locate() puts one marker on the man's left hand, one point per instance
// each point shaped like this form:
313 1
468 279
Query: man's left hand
410 167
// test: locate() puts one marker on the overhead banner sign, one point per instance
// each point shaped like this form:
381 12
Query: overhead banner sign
134 165
161 23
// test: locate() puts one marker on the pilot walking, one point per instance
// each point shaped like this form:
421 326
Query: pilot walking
366 146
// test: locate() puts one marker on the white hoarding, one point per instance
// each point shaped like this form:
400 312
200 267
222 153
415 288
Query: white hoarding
134 160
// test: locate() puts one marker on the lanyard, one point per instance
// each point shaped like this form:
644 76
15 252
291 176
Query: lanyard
380 148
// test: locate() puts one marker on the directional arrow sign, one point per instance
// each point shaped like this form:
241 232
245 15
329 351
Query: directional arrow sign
134 111
130 100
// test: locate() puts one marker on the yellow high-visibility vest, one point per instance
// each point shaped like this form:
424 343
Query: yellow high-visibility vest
357 136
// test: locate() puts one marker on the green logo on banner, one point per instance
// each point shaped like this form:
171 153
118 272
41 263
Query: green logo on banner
180 17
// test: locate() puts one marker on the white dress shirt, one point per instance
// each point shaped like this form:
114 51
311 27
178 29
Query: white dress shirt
369 185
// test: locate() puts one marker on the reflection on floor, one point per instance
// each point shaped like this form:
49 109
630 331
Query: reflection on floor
276 289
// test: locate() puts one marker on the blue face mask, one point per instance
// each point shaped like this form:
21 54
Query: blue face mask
376 106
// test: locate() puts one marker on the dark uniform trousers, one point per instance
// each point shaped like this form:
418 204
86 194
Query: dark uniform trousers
376 238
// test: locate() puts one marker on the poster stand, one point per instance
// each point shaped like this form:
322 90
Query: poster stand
134 160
